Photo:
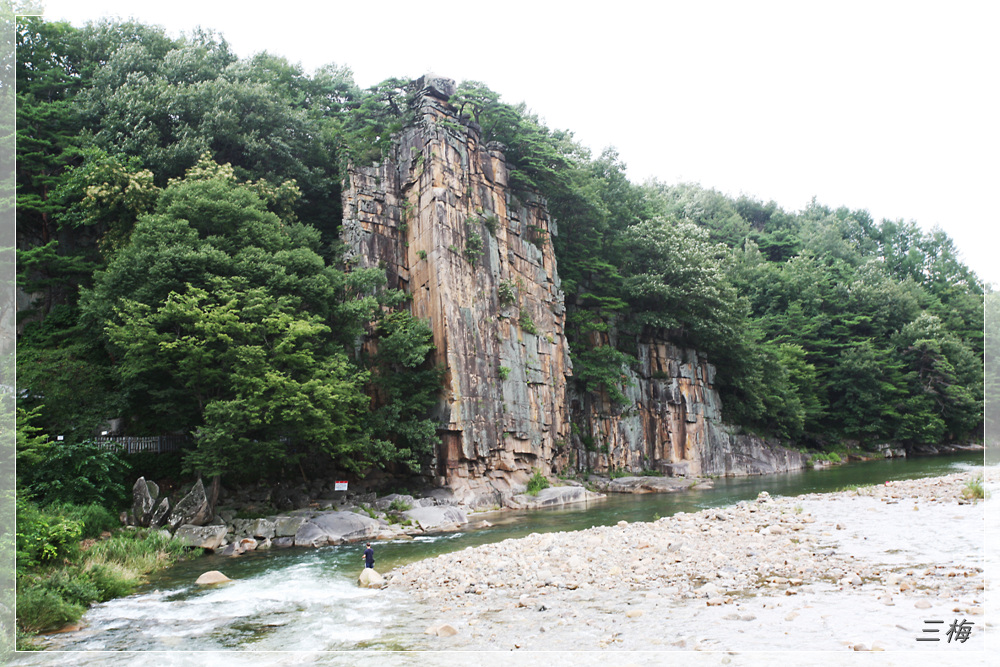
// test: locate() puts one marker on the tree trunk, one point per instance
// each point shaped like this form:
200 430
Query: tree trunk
213 493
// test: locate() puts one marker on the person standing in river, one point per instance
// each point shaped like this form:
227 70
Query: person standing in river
369 556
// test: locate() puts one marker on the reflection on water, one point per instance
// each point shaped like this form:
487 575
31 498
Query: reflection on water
299 599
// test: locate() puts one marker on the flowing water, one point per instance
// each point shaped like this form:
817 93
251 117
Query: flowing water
307 599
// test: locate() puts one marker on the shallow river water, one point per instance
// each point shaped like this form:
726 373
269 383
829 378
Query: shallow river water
307 599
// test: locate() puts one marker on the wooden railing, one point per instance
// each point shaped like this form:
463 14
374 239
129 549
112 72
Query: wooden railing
127 444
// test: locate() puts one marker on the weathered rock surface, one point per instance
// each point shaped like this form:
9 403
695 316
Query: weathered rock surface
479 263
143 501
160 514
192 508
553 497
369 578
431 518
478 260
205 537
335 528
212 577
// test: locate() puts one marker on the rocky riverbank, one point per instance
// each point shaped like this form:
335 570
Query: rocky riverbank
861 569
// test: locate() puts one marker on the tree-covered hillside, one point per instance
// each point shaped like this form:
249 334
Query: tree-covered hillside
178 224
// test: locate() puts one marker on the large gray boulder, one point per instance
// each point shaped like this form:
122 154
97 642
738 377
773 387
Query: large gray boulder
336 528
553 496
205 537
287 526
192 509
160 514
432 518
648 484
143 501
260 528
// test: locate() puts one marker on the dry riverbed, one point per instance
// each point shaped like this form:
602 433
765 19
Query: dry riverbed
854 570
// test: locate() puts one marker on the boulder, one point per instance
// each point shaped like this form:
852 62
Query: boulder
160 514
369 578
232 549
287 526
142 502
443 630
260 528
192 509
204 537
436 517
283 542
212 577
336 528
553 496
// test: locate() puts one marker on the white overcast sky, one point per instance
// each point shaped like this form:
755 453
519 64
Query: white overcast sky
888 106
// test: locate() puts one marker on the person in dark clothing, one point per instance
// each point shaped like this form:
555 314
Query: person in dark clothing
369 556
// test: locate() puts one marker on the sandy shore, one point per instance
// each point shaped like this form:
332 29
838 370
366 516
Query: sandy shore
854 570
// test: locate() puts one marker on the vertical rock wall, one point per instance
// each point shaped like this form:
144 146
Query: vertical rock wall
438 216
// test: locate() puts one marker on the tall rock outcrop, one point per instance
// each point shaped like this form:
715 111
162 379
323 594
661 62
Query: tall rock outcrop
437 214
671 422
439 217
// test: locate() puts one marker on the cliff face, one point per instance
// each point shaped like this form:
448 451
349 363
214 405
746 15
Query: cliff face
672 422
439 217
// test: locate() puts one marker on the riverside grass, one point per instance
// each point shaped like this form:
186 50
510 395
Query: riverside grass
54 595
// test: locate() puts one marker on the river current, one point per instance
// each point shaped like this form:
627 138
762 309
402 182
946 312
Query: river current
307 599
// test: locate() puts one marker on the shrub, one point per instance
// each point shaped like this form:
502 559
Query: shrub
833 456
536 483
41 609
491 224
527 323
505 293
422 254
43 537
79 473
94 518
473 247
504 372
974 488
399 505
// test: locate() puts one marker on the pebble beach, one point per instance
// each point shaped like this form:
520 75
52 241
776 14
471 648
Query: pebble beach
857 570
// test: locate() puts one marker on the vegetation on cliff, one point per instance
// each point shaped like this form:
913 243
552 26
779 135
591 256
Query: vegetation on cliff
178 225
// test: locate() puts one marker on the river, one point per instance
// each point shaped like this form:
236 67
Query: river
307 599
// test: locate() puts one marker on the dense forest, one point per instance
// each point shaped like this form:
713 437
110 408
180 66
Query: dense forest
178 219
178 229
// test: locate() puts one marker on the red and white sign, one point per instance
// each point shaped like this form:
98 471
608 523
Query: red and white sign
340 486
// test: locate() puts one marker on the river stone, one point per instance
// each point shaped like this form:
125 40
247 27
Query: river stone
369 578
260 528
443 630
384 502
287 526
142 502
212 577
283 542
431 518
192 509
552 497
204 537
335 528
160 514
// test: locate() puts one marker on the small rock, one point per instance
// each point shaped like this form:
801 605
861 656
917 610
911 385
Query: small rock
715 602
633 613
860 647
922 604
212 577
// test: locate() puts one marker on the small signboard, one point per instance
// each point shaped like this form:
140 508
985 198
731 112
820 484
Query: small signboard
340 486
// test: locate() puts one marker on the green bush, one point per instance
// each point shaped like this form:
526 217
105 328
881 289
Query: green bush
506 294
399 505
473 247
41 609
974 488
527 323
95 518
833 456
43 537
504 372
79 473
536 483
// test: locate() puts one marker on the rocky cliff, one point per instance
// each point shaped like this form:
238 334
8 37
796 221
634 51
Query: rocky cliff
437 214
